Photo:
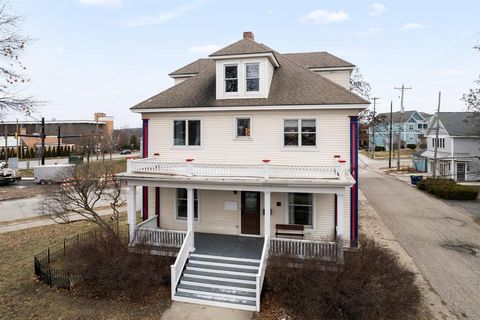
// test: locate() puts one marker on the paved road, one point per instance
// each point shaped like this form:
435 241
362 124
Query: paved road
24 164
443 240
30 207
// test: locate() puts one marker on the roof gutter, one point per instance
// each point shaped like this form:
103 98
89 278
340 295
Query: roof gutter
252 108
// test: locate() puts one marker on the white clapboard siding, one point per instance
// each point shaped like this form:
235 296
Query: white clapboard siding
342 77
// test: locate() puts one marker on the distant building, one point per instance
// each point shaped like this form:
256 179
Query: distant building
458 146
413 125
101 125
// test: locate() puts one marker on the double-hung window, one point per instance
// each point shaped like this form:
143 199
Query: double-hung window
187 132
243 128
299 133
300 208
231 78
181 203
252 76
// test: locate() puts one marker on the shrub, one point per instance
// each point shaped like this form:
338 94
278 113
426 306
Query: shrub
447 189
107 269
379 148
412 146
371 285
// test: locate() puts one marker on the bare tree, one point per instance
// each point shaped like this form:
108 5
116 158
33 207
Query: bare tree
12 45
359 85
472 97
85 188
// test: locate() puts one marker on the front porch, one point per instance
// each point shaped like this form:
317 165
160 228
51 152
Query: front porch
218 227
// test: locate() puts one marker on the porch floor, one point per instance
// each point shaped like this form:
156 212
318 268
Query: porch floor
228 245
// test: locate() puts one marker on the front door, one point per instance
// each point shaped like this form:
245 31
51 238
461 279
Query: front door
460 171
250 212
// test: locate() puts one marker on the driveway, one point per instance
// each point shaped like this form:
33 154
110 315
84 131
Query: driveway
443 241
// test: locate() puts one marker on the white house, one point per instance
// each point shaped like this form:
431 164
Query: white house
458 146
251 153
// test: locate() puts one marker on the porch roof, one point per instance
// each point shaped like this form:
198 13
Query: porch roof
152 171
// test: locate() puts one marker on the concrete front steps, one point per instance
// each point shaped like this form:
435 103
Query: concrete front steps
219 281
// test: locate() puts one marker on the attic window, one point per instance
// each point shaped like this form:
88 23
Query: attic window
253 76
231 78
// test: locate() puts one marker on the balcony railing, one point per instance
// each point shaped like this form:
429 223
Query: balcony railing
265 170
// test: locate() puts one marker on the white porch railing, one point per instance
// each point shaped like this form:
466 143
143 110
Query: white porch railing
304 248
264 170
261 272
182 257
158 237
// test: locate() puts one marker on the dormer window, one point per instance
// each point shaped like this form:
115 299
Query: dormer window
252 72
231 78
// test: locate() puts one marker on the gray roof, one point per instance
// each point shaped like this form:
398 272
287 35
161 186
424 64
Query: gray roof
292 84
465 124
307 59
244 46
406 115
318 60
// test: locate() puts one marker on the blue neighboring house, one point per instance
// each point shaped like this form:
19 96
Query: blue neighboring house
414 126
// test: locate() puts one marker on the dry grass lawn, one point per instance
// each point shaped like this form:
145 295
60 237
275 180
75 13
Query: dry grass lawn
23 297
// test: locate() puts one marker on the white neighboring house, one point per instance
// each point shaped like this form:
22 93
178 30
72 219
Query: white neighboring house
251 153
458 146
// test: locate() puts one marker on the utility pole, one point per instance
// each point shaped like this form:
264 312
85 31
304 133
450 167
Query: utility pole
390 144
374 122
435 142
42 136
6 144
58 142
16 139
402 88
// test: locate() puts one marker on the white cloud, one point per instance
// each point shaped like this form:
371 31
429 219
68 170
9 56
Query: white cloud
164 16
325 16
207 48
453 72
101 2
377 9
411 26
369 32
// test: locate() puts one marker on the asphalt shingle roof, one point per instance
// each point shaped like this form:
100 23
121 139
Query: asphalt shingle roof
463 124
292 84
405 117
306 59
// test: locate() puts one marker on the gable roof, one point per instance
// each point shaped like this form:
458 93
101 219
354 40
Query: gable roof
311 60
463 124
292 84
244 46
406 116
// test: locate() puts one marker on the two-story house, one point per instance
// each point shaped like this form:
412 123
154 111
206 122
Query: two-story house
412 124
458 146
251 153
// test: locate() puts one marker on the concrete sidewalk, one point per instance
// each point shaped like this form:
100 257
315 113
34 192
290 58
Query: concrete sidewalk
189 311
44 222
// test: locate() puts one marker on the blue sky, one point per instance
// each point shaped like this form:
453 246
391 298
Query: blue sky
107 55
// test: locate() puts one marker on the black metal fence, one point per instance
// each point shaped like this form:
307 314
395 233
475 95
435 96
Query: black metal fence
48 264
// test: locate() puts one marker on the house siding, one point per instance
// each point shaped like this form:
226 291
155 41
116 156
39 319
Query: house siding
342 77
220 146
213 218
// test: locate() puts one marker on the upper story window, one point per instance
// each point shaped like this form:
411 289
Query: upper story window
252 76
439 143
410 127
243 128
299 133
420 126
187 132
231 78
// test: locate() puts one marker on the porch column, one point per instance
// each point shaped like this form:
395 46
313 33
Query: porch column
190 213
340 211
267 207
131 210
